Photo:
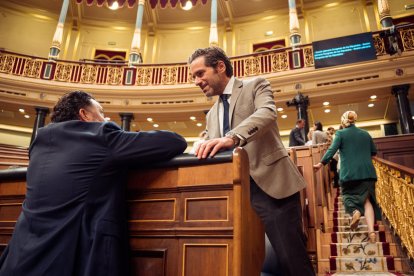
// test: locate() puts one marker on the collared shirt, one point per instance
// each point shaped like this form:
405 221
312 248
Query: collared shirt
227 90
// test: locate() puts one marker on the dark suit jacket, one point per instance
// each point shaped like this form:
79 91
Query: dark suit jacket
73 219
296 138
252 115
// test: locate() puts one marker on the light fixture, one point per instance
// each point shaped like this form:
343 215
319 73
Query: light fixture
330 5
27 116
21 110
325 103
371 105
373 97
199 124
327 110
280 109
155 125
149 119
284 116
268 33
192 118
114 6
188 6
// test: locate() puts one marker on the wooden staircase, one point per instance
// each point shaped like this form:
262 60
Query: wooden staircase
341 251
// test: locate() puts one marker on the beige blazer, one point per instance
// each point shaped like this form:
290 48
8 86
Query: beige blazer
253 116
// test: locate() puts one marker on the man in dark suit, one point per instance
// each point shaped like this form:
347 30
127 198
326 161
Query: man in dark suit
73 219
245 115
296 137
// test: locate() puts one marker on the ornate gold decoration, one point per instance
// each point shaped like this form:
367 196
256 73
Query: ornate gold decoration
280 62
379 45
252 66
63 72
6 63
89 72
173 74
308 56
395 195
407 38
169 75
114 76
32 68
144 75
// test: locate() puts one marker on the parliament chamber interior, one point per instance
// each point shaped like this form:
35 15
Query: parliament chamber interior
321 57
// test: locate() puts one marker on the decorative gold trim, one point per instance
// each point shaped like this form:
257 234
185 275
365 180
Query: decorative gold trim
206 244
152 200
208 198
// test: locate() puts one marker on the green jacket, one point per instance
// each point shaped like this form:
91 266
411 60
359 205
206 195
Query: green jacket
356 148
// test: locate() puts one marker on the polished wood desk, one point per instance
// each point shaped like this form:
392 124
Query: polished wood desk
186 217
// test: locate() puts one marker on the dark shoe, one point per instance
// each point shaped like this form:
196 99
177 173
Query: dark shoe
356 215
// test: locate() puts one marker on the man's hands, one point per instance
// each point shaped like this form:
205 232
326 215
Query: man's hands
210 147
317 167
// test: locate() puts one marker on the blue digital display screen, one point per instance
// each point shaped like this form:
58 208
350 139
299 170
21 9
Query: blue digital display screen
343 50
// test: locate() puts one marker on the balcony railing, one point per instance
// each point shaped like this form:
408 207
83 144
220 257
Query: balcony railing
395 195
85 72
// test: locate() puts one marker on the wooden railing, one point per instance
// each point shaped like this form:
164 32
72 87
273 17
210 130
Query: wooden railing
395 195
99 73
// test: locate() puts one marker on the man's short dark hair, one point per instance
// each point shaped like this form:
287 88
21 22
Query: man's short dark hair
212 55
300 121
68 106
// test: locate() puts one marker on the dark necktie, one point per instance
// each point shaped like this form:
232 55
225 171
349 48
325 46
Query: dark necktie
226 124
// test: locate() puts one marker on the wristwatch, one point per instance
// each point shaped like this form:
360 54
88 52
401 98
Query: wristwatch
234 137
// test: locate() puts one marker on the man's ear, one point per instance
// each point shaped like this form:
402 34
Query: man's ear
221 67
83 115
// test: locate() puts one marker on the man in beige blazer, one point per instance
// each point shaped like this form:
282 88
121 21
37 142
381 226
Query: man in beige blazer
275 180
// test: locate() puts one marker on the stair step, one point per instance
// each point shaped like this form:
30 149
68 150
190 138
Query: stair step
361 228
344 237
364 249
324 268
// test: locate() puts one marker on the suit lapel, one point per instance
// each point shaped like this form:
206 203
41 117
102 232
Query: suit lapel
214 124
237 88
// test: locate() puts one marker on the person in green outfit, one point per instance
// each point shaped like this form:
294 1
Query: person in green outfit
357 175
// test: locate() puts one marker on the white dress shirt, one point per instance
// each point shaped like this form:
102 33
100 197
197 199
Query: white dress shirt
227 90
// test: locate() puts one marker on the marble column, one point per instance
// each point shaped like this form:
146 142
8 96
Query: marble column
404 112
41 113
293 25
126 119
213 40
135 56
57 38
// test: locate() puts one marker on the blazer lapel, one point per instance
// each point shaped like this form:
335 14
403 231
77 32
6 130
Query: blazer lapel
214 124
237 88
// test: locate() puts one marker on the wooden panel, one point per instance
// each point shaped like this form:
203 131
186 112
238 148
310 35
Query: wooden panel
205 175
154 179
397 148
213 258
152 209
207 209
189 220
10 211
148 262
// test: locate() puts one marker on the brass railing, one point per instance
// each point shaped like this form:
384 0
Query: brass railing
87 72
395 195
